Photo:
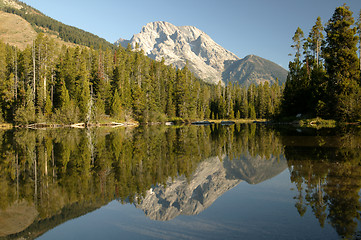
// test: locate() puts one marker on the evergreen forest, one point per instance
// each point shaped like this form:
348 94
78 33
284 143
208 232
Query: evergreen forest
52 84
47 83
324 77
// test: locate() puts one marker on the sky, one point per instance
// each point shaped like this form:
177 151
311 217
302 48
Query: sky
261 27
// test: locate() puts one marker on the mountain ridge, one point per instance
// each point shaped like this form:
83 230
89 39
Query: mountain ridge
181 45
205 58
160 40
213 177
253 69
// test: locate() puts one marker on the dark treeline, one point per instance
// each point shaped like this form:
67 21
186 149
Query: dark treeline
46 83
236 102
324 77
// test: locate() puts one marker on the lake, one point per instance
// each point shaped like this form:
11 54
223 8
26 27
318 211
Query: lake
244 181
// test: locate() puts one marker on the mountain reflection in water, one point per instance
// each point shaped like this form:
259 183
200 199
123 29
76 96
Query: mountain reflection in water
49 177
212 178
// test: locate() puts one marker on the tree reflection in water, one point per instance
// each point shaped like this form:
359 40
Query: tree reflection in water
326 170
48 177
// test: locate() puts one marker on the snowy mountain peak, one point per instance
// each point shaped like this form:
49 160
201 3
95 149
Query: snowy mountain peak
206 59
177 45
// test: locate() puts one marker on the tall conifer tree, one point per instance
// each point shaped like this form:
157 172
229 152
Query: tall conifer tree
342 65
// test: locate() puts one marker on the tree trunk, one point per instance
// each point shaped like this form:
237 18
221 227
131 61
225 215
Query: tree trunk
317 52
16 76
34 71
360 52
45 80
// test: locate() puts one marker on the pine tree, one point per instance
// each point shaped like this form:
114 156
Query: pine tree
358 25
316 38
7 94
298 40
83 90
48 107
116 108
252 111
2 69
25 114
138 103
181 94
244 105
316 72
71 84
296 92
170 106
67 112
342 65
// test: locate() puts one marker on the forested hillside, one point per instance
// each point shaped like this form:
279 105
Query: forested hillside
43 23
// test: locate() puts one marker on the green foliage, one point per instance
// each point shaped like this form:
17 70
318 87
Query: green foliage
25 114
260 101
342 65
68 84
67 113
318 123
325 80
64 173
327 179
116 108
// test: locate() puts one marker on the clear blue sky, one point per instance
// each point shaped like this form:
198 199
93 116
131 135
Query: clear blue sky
261 27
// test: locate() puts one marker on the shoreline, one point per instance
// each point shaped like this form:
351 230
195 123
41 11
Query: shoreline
126 124
313 123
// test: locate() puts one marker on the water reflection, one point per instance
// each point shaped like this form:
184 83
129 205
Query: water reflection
49 177
326 170
212 178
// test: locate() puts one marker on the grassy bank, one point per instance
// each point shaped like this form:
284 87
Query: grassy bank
318 123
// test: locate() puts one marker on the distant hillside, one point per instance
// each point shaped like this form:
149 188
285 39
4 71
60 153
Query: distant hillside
15 30
253 69
43 23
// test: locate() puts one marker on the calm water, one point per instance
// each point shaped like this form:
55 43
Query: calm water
192 182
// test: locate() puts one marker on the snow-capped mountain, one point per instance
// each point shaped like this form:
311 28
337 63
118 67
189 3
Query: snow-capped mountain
177 45
206 59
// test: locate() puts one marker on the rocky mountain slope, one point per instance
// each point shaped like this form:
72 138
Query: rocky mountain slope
178 45
212 179
253 69
188 198
208 60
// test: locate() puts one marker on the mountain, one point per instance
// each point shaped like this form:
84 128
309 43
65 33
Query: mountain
179 45
253 69
42 23
212 178
208 60
123 42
